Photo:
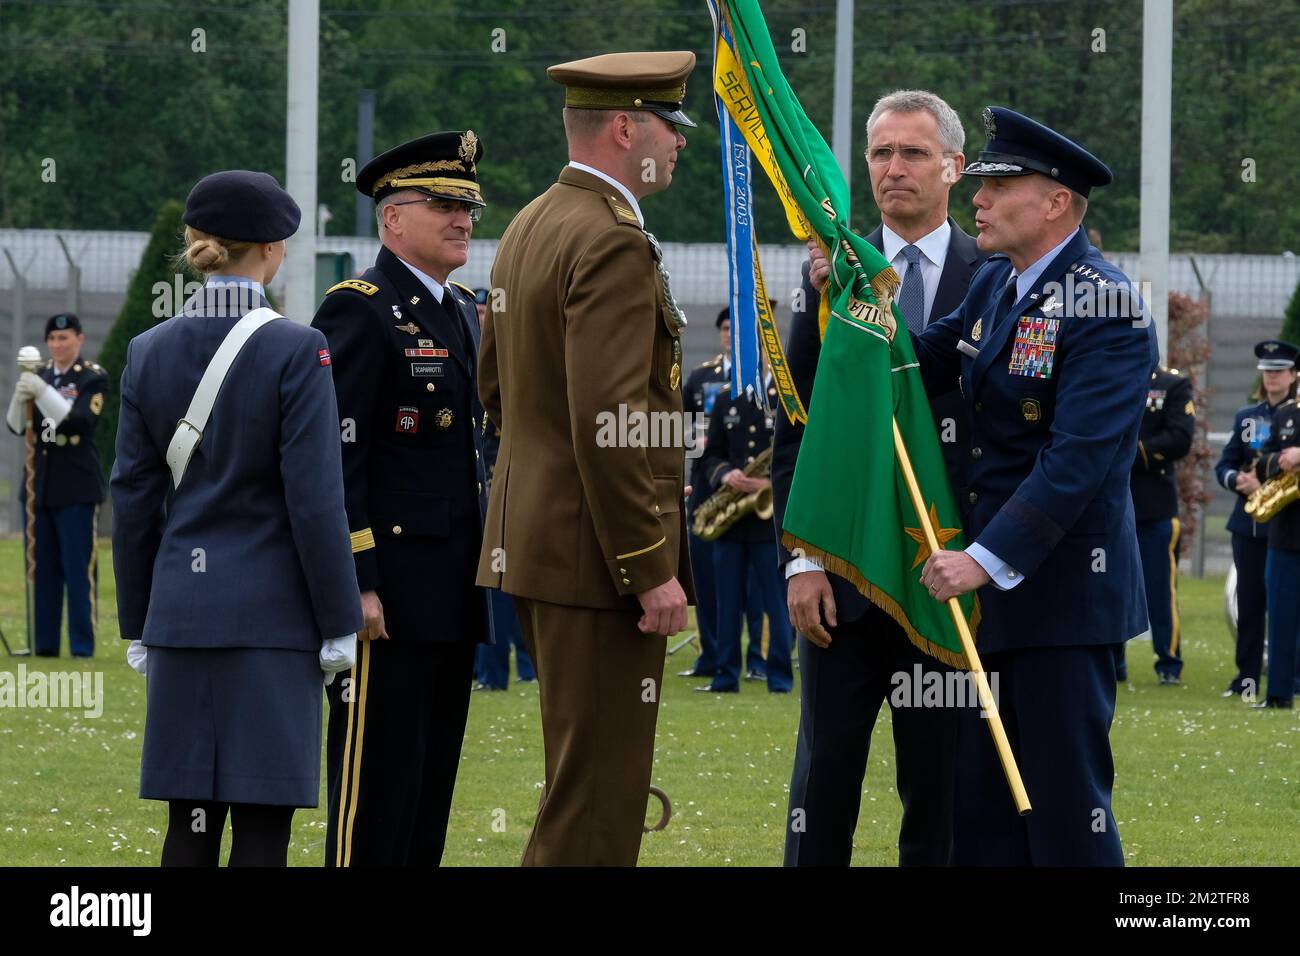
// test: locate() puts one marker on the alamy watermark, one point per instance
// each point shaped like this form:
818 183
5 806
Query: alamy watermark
75 690
932 688
635 428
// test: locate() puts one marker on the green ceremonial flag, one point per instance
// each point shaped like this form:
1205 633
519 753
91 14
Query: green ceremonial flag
849 506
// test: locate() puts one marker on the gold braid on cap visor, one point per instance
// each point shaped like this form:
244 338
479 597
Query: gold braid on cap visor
451 187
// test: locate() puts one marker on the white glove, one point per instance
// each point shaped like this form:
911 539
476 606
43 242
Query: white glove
30 386
52 404
136 654
17 416
337 654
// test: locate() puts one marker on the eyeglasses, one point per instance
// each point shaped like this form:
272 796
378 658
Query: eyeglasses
912 155
447 207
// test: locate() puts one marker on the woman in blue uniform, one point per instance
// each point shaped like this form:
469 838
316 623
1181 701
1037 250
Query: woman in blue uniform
236 584
1279 456
1235 472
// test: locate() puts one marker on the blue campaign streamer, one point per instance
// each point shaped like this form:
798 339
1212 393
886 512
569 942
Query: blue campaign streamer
738 200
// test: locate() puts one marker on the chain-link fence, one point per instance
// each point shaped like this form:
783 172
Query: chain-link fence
45 271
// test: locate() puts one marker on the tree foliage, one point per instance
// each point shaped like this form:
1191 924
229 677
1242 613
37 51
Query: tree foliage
131 102
138 315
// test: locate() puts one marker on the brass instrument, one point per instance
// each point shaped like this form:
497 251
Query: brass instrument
1272 496
726 506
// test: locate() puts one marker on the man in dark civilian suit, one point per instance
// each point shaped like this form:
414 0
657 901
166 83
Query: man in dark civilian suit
849 649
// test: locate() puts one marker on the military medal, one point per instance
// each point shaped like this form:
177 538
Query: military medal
1034 351
675 376
410 328
443 418
1030 410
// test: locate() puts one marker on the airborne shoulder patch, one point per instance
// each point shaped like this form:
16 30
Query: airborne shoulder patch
356 285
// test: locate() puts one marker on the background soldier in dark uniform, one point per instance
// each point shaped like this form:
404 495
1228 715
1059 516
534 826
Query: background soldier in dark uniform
1236 472
69 396
404 344
1168 426
740 431
1281 456
698 396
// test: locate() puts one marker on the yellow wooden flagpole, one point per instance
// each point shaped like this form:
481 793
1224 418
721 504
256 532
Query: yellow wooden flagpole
967 642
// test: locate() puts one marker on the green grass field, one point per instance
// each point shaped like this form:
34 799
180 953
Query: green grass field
1200 780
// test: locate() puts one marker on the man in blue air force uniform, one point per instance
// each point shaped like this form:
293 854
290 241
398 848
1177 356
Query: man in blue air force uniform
1054 357
404 343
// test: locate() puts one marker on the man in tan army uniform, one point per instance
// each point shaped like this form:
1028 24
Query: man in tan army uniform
588 534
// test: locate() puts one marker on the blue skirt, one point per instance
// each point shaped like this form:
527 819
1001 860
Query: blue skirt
232 725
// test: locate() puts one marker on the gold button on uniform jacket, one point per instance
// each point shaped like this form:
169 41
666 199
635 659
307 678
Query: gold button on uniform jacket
581 359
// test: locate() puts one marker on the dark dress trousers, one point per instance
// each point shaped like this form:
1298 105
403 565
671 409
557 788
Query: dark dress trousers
845 684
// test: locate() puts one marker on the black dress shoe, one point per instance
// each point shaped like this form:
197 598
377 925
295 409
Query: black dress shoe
692 672
755 675
710 689
481 686
1275 703
1170 680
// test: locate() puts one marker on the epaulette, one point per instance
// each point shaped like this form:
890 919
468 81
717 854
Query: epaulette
711 363
463 288
356 285
622 212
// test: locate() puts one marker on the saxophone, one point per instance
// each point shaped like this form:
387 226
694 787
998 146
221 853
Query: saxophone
726 506
1272 496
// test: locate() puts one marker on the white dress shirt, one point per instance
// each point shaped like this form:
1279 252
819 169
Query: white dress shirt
436 288
934 252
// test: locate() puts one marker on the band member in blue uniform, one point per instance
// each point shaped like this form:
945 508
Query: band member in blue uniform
849 649
699 394
1054 354
1168 426
1280 460
236 586
739 431
1236 472
69 484
404 341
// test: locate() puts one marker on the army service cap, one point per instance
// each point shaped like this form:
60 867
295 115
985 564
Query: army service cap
655 82
444 165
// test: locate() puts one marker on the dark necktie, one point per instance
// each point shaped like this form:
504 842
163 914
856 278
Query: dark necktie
1005 302
911 298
